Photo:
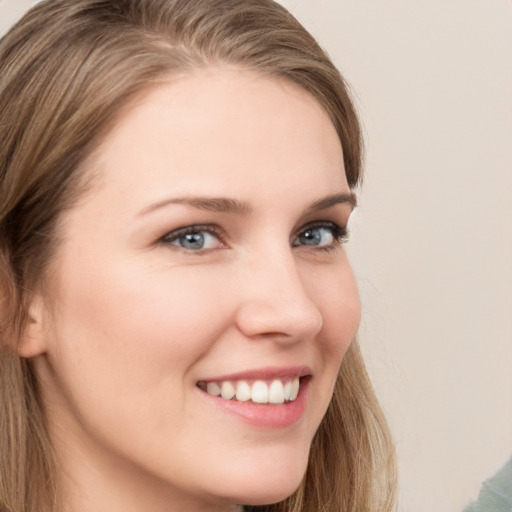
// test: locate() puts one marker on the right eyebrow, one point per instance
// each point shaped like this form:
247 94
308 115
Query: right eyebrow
211 204
332 200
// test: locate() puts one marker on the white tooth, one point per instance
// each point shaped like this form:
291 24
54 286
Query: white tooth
213 388
276 392
243 391
259 392
294 391
227 390
287 389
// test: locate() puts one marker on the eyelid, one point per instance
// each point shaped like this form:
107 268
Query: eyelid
339 232
212 229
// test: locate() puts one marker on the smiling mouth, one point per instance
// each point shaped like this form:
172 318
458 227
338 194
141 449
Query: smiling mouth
274 391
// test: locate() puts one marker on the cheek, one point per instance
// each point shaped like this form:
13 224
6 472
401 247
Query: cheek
123 345
133 314
337 297
129 330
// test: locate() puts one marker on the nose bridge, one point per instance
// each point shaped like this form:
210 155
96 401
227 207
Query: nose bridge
274 298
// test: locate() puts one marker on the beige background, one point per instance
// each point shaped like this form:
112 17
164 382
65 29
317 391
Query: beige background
432 240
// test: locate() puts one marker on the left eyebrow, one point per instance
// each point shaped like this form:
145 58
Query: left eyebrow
328 201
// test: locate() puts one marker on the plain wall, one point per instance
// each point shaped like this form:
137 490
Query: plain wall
432 238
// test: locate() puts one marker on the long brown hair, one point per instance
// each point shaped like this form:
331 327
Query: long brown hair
66 70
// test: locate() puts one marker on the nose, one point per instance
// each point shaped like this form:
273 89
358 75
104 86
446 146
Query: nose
274 303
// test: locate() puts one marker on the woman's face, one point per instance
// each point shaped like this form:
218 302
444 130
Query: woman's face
207 255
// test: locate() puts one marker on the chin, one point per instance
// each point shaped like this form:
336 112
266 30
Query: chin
266 496
265 486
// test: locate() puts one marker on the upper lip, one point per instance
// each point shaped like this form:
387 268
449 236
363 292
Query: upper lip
267 373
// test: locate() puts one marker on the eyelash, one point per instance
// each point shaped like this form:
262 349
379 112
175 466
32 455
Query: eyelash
211 229
340 235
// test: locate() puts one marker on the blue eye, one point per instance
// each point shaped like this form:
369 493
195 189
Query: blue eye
321 235
194 238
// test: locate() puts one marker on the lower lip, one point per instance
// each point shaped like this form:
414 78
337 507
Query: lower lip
265 415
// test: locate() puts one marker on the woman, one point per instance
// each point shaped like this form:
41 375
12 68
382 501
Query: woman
176 301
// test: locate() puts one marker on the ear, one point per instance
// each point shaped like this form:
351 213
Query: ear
33 340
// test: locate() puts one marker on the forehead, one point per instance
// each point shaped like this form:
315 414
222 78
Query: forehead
219 131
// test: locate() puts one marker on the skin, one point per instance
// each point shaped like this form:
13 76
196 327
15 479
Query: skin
136 320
